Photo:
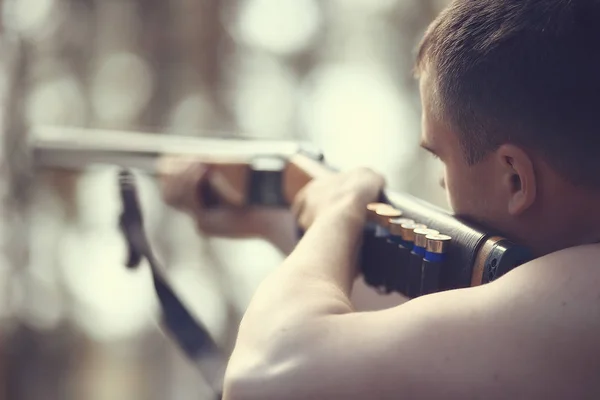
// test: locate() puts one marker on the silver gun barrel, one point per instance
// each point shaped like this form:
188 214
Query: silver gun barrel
77 148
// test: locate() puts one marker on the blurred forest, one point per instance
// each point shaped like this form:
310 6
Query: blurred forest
74 323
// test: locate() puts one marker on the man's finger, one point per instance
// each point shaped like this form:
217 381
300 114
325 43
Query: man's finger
225 190
298 204
303 222
190 181
179 179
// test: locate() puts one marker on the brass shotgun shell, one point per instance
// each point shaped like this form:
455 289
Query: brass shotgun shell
437 243
396 225
421 236
408 231
372 210
384 214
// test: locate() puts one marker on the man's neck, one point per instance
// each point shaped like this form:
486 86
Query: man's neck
573 222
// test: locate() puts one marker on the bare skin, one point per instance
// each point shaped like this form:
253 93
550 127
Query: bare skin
533 334
180 179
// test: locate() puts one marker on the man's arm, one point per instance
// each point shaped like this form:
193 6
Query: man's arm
300 339
180 182
490 342
274 226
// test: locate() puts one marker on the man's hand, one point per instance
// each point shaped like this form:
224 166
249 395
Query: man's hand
181 181
356 188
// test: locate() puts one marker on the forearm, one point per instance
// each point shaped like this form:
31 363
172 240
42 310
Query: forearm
315 281
275 226
279 229
327 252
291 309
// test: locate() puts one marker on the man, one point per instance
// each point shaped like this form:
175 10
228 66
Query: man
511 98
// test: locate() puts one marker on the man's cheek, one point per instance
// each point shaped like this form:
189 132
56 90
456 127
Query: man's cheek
460 200
452 193
452 196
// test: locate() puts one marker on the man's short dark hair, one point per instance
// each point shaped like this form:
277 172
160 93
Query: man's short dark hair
521 71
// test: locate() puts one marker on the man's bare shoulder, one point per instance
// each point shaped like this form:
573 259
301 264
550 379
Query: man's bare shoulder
562 292
567 277
533 334
544 315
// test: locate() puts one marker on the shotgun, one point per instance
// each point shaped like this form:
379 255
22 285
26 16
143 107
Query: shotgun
270 174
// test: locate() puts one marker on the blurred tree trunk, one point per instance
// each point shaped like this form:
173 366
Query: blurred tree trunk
38 364
157 46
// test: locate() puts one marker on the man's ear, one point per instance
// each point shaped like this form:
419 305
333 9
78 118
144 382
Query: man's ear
519 178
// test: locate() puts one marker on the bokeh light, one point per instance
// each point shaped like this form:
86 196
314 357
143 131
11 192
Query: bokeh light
121 88
121 301
97 199
257 259
34 19
278 26
43 306
375 6
358 117
57 101
190 115
263 95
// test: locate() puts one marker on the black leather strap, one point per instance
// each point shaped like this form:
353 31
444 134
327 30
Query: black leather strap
191 335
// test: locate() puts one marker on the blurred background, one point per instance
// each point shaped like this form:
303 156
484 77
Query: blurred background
74 323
